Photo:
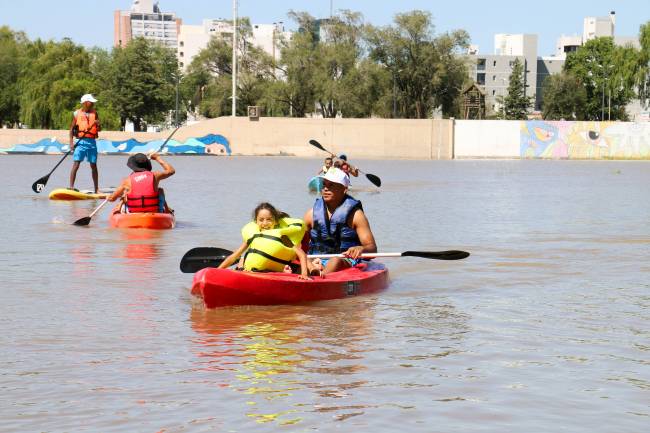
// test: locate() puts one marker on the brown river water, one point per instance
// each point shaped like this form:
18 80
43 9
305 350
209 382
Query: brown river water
545 328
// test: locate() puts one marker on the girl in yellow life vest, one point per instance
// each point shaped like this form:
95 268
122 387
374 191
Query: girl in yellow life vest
270 243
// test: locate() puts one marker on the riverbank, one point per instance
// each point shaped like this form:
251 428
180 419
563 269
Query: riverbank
427 139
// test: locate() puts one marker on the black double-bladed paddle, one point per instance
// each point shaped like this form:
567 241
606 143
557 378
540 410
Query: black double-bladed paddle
203 257
209 257
375 180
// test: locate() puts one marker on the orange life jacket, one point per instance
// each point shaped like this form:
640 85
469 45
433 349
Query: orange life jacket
85 123
143 196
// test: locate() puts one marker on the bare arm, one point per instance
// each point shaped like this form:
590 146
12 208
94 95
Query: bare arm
160 175
304 270
368 245
119 192
233 257
71 134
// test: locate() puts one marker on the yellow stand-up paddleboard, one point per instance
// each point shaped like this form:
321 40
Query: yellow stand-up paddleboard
70 194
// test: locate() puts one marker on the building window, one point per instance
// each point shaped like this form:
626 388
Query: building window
494 92
182 44
494 77
480 64
182 64
181 54
494 63
480 79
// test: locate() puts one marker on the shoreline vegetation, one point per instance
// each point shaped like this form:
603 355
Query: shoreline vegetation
342 67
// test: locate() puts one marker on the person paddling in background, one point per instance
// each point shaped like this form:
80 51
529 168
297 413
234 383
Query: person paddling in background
347 167
337 224
271 242
85 126
140 191
328 163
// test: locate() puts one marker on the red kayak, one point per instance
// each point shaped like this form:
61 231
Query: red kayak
225 287
143 220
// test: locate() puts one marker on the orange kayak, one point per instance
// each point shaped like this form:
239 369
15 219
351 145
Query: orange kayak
143 220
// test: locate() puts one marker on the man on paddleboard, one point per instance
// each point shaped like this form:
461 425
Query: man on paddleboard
85 127
140 191
337 225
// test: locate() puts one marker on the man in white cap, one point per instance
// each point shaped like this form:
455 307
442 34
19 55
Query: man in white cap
337 224
85 127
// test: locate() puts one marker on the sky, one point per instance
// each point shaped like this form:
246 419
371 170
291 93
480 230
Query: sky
90 22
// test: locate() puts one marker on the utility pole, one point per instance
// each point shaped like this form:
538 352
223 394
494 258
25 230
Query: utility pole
234 58
331 8
176 112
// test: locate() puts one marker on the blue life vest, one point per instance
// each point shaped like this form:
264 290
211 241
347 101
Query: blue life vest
333 236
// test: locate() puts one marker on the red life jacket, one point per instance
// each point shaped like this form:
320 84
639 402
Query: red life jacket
143 196
86 124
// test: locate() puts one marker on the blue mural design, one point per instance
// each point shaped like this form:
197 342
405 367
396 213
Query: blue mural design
211 144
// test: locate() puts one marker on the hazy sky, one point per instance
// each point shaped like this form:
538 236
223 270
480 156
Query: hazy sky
90 22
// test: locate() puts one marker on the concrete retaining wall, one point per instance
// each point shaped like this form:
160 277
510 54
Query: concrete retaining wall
369 138
487 139
359 138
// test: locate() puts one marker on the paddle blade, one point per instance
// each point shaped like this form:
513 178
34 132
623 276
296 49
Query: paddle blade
203 257
39 185
82 221
317 144
438 255
374 179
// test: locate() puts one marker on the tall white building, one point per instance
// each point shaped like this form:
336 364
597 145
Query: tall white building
598 27
193 38
146 19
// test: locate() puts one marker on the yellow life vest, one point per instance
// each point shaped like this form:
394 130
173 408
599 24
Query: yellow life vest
266 251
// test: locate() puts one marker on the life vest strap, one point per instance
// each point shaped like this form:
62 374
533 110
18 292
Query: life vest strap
267 256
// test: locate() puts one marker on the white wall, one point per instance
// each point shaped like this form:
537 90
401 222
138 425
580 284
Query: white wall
487 138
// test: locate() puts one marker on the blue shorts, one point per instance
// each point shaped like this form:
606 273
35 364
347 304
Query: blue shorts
86 148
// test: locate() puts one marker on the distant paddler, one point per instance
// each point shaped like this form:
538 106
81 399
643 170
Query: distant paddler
329 162
348 168
85 127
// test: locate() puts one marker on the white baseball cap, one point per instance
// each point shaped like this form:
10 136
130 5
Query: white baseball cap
337 175
88 98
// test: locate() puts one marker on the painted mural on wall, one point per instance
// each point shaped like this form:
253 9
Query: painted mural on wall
212 144
584 140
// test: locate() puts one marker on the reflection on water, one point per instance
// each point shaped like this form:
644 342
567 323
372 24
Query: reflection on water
267 351
544 328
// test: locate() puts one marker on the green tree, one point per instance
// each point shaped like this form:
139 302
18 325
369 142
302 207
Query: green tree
142 83
12 45
515 105
54 76
564 98
426 70
642 77
608 74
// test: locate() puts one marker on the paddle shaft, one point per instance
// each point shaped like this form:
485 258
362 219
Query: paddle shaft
168 138
59 163
98 208
363 256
